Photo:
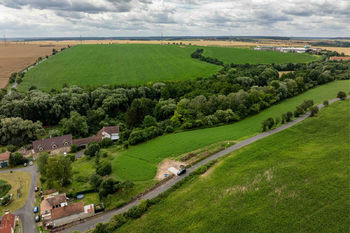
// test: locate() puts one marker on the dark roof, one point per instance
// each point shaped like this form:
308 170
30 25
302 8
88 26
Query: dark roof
85 141
5 156
68 210
52 143
109 129
56 200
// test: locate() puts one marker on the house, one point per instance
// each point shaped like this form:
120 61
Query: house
70 213
85 141
56 143
4 159
50 203
111 132
8 223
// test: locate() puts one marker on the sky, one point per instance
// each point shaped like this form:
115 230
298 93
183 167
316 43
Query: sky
105 18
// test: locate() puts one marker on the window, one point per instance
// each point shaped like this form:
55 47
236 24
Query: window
54 146
66 143
40 148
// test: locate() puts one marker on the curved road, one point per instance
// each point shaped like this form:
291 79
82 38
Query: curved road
26 212
105 217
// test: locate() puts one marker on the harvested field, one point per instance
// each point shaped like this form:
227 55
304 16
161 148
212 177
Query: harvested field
14 57
346 51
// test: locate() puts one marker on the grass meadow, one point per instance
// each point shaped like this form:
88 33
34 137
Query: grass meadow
139 163
293 181
242 56
96 65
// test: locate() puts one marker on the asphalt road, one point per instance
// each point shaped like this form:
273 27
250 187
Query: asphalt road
105 217
26 212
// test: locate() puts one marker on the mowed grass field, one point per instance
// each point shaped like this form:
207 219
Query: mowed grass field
96 65
242 56
293 181
139 163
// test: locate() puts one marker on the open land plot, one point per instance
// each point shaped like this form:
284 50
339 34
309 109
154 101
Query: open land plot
293 181
95 65
14 57
16 180
140 162
242 56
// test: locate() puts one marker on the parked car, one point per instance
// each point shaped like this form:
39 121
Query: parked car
36 189
30 163
25 164
182 170
36 209
37 218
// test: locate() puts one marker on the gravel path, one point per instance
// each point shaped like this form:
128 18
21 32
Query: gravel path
105 217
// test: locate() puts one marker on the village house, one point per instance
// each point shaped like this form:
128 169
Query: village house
111 132
61 144
51 202
4 159
8 223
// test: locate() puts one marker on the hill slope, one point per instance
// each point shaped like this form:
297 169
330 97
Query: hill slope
294 181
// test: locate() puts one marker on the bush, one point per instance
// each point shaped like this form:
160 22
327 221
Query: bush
116 222
104 168
95 181
314 111
92 149
71 157
137 211
17 159
108 186
289 116
326 103
5 200
149 121
74 148
106 142
341 95
12 148
82 179
268 124
169 129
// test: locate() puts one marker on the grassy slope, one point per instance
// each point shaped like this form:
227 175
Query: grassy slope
294 181
117 64
241 56
140 162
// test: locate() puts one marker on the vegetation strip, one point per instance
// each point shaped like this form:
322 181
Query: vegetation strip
168 185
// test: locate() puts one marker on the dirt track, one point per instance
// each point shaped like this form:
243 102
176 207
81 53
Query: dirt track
16 56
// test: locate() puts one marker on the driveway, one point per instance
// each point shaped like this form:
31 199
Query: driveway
105 217
26 212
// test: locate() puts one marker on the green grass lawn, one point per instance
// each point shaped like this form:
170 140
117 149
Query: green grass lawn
96 65
139 163
293 181
242 56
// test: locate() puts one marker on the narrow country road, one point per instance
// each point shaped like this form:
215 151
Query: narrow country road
105 217
26 212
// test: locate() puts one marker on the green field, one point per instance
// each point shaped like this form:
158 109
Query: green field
140 162
293 181
96 65
242 56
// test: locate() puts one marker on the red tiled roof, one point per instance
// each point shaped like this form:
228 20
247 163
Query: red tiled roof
68 210
52 143
6 229
339 58
85 141
8 220
109 130
5 156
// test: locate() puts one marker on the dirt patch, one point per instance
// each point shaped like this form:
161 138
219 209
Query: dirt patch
163 167
14 57
283 72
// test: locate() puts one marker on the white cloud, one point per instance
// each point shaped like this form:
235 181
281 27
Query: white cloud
41 18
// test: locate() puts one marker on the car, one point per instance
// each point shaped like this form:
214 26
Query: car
37 218
36 209
36 189
25 164
30 163
182 170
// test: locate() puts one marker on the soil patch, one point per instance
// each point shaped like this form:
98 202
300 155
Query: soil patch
163 167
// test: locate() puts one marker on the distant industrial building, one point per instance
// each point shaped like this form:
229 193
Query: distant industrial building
288 49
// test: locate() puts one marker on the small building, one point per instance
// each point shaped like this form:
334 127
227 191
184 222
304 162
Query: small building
111 132
56 143
339 58
50 203
81 142
4 159
8 223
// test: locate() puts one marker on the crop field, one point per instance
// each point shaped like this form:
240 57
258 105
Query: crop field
139 163
94 65
242 56
16 57
293 181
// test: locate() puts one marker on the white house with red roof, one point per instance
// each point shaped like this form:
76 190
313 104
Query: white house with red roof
8 223
111 132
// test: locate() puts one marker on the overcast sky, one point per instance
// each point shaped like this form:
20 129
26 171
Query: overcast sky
58 18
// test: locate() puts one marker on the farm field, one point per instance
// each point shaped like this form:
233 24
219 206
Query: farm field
95 65
16 57
16 180
241 56
139 163
293 181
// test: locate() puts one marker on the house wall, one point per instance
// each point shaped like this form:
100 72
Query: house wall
69 219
